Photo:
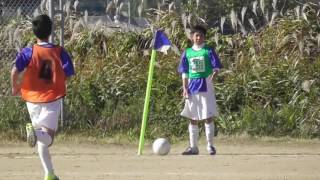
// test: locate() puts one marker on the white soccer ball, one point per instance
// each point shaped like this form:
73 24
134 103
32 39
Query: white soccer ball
161 146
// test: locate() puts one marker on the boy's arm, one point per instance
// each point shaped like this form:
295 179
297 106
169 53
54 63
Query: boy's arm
67 64
183 69
215 63
215 73
185 85
15 84
21 62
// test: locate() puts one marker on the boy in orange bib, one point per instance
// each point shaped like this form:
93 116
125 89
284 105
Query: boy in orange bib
44 69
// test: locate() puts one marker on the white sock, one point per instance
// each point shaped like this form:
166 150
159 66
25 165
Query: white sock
43 141
45 158
209 133
193 135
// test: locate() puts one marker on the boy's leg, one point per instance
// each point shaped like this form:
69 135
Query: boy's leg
193 138
46 122
34 113
44 141
44 136
49 122
31 135
193 134
209 128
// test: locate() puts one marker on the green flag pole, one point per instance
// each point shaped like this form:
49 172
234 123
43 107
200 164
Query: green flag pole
146 102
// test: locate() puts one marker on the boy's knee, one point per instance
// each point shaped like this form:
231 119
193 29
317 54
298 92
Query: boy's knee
36 125
51 133
208 121
193 122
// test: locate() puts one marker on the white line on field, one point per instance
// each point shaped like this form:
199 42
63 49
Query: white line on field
177 156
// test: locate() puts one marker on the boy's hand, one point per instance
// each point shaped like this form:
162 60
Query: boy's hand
185 93
15 82
213 75
15 90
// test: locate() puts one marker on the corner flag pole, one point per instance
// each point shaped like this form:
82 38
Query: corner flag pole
160 43
146 102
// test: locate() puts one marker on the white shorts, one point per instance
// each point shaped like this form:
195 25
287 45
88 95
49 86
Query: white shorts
202 105
45 114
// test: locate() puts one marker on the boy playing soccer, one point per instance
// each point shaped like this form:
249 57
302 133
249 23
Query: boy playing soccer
45 68
199 66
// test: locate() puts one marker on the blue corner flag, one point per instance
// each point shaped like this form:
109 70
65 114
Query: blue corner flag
161 42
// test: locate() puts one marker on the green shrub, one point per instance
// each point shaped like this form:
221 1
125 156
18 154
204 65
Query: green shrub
269 84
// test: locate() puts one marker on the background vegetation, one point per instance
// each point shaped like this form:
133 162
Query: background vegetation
269 84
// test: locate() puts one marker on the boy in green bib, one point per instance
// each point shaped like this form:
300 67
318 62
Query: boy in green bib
199 65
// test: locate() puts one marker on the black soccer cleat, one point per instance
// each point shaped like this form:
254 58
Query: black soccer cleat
212 150
191 151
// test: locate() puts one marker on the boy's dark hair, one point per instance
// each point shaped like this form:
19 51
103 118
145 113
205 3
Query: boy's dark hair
42 26
199 29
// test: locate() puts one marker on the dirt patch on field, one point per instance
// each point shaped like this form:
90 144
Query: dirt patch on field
236 160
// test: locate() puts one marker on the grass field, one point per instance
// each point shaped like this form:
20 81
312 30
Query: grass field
237 159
